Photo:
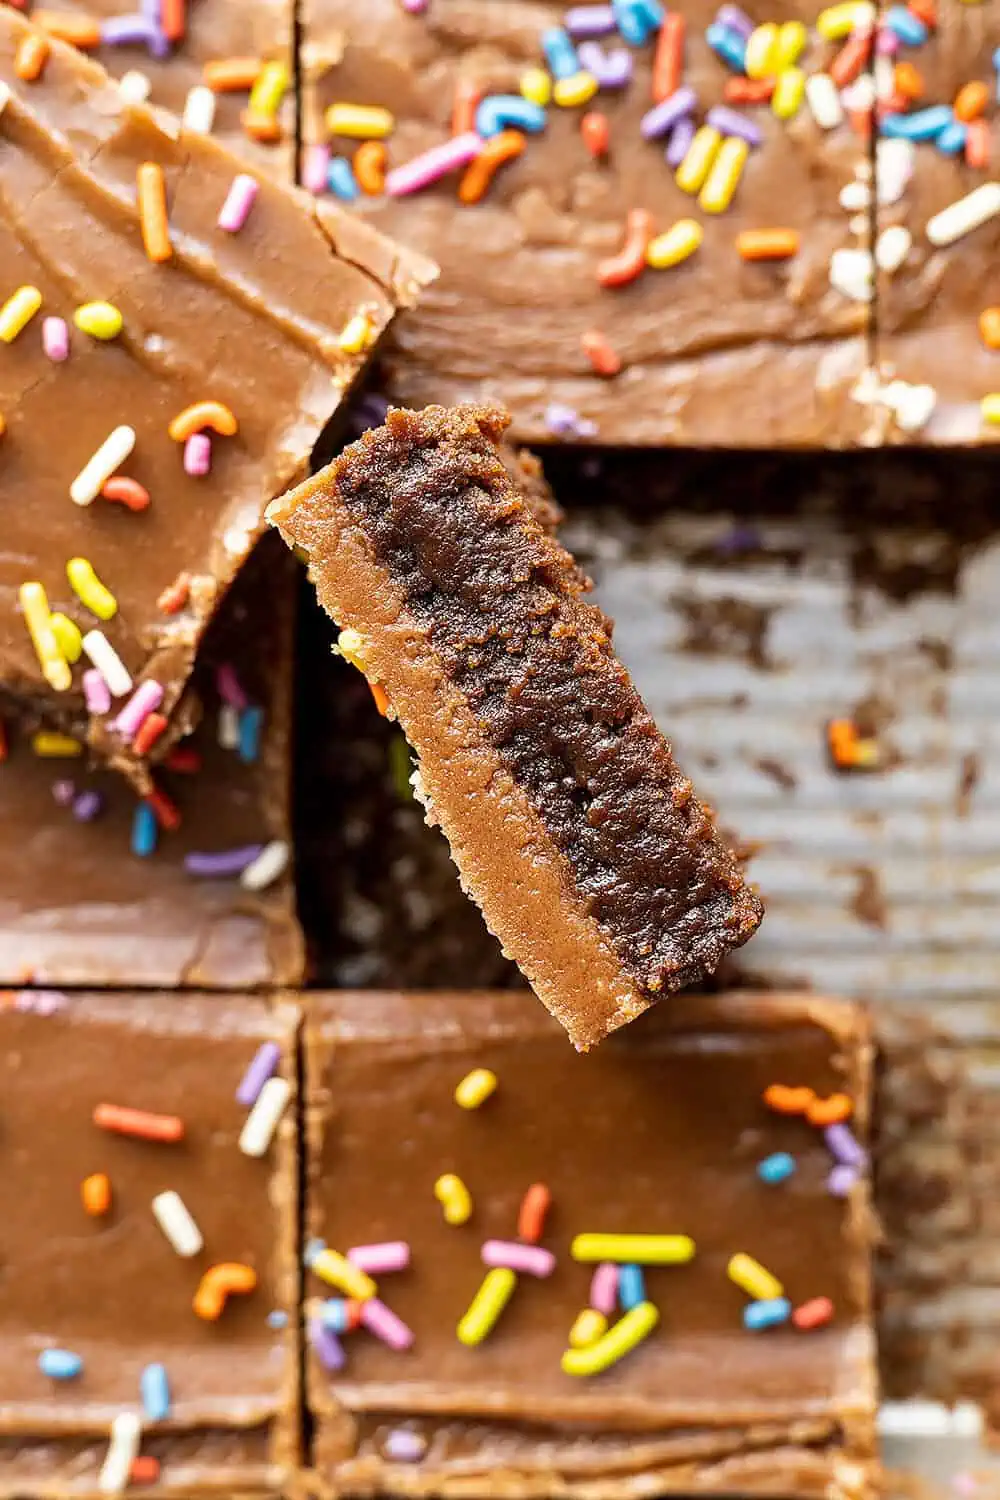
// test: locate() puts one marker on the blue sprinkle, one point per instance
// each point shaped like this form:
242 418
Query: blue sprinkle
560 54
776 1168
340 179
154 1389
952 138
631 1286
908 27
277 1319
60 1364
251 727
634 20
922 125
313 1248
333 1315
144 831
769 1314
499 111
728 45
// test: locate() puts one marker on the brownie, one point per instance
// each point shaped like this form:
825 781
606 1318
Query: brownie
571 826
80 906
662 1132
717 350
106 1278
274 297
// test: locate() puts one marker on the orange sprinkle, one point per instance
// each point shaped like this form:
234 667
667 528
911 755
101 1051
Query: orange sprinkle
152 190
989 327
785 1100
148 733
129 492
78 30
370 161
970 101
175 595
173 19
381 698
480 172
620 269
767 244
926 10
531 1218
600 353
464 106
145 1469
748 90
907 80
165 811
260 126
813 1314
596 132
31 56
141 1123
977 143
231 75
95 1192
860 121
668 60
218 1283
829 1111
850 60
199 415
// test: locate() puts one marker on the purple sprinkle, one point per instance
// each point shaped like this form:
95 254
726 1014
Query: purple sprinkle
404 1447
229 688
680 140
564 421
613 70
662 117
260 1070
88 806
841 1180
735 19
125 31
730 122
328 1348
370 411
63 793
844 1145
226 862
589 20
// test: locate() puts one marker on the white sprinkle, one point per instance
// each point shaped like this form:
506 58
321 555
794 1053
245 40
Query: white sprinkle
269 866
852 274
134 86
123 1449
229 726
965 214
860 94
199 110
5 97
97 470
262 1121
892 247
824 101
894 160
855 196
885 77
174 1218
105 658
911 405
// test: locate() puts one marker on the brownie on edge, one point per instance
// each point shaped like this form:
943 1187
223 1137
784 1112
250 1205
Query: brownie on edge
595 865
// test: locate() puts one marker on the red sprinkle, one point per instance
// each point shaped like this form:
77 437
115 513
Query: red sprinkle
166 812
668 60
173 19
850 60
813 1314
600 353
595 132
148 733
620 269
3 741
129 491
183 758
748 90
925 10
531 1218
977 143
175 595
145 1469
464 106
140 1123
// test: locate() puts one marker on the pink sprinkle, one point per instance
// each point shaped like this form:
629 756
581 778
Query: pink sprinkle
314 168
531 1259
96 693
147 696
604 1288
384 1324
886 41
390 1255
198 454
55 339
239 202
414 7
229 688
432 164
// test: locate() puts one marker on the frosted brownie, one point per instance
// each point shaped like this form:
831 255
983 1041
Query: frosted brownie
593 862
130 520
756 1379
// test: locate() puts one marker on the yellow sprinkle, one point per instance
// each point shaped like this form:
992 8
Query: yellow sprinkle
723 180
629 1331
838 21
350 645
789 91
588 1326
336 1270
486 1306
536 86
101 320
475 1088
760 53
700 155
792 38
3 424
89 589
579 88
47 742
454 1198
362 122
18 311
68 637
751 1277
675 244
268 89
634 1249
35 608
357 334
990 407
